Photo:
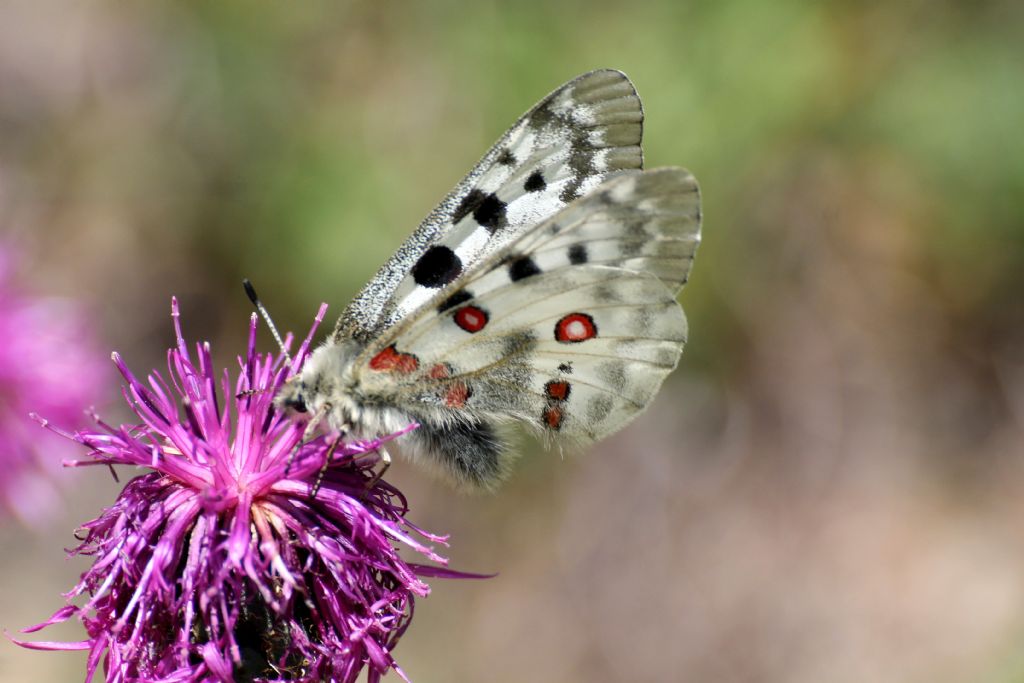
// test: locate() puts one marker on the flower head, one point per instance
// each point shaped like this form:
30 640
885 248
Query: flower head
47 363
221 564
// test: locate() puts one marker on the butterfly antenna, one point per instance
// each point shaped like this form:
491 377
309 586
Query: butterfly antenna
251 293
246 393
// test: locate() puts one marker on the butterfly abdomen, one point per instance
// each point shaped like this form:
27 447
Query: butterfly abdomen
472 452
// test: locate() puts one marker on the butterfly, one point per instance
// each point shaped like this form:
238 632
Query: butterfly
541 291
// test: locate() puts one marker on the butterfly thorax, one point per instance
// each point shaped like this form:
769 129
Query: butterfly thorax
332 386
329 386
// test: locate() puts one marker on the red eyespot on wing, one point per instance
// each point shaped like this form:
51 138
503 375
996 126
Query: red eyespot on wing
457 395
574 328
392 360
557 390
471 318
552 417
440 371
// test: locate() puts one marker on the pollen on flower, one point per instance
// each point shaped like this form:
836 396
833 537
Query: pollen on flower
218 564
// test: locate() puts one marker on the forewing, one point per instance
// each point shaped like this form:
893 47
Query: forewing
561 149
577 346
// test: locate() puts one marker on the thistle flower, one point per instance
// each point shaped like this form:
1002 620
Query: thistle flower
47 363
221 564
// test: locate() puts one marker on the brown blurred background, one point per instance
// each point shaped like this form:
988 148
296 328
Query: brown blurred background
828 489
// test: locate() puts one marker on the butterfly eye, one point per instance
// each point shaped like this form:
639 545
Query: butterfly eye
298 404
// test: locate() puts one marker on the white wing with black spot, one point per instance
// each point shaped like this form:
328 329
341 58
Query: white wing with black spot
647 221
560 150
541 290
572 327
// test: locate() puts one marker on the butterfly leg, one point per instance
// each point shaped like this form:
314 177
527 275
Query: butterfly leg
385 459
327 463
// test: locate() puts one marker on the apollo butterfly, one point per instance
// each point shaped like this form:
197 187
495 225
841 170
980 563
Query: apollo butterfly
542 290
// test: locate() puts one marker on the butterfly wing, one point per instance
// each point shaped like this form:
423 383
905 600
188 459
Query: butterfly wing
571 328
561 149
647 222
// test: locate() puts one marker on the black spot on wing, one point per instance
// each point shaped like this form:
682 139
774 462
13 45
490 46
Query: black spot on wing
519 343
571 190
577 254
490 212
522 267
543 117
581 162
507 158
468 205
535 183
438 266
459 297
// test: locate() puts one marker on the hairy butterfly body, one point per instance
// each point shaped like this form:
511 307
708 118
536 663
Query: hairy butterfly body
542 290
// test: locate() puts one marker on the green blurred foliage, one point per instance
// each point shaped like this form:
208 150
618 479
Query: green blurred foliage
299 146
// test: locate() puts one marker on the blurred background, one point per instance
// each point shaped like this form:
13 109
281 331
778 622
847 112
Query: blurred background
828 488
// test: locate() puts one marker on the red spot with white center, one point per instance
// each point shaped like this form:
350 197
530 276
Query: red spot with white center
574 328
393 360
471 318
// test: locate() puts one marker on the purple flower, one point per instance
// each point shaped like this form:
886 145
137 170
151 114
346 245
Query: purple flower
221 564
48 364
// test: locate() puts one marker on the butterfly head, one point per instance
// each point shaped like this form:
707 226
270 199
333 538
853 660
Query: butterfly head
323 387
304 394
292 397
